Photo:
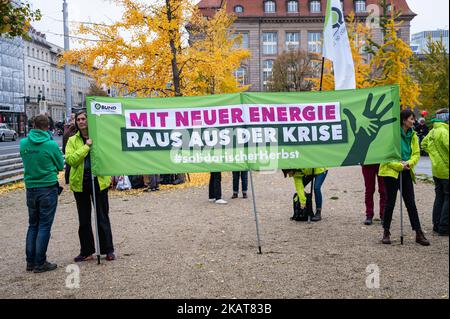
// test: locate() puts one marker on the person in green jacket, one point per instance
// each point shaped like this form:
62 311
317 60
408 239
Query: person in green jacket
42 160
410 153
302 177
80 180
436 145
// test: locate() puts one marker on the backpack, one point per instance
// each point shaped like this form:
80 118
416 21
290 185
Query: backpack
300 214
137 181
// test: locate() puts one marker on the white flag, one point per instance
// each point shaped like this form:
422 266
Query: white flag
336 46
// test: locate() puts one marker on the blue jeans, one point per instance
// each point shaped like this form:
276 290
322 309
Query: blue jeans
244 176
41 204
318 181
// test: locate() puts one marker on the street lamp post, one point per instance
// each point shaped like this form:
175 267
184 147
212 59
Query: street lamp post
14 99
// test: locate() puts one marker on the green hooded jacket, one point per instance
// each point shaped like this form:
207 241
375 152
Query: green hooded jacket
76 151
436 145
392 169
42 159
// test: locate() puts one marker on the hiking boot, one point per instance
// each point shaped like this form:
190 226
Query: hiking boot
244 195
443 231
30 266
386 237
110 256
317 217
47 266
235 195
80 258
420 238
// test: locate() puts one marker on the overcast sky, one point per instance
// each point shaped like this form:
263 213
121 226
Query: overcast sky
431 15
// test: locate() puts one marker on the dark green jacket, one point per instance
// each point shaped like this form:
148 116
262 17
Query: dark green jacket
42 159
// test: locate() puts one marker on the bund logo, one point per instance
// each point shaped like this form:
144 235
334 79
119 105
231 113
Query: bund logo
106 108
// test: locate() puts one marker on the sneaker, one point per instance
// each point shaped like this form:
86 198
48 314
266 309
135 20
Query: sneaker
368 221
110 256
244 195
212 200
30 266
47 266
80 258
235 195
221 201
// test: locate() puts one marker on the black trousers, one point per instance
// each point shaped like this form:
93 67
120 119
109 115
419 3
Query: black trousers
84 216
440 207
215 185
392 186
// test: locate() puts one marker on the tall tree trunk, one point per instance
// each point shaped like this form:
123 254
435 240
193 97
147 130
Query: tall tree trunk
175 70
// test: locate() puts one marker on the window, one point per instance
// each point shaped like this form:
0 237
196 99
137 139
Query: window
267 73
292 6
292 40
269 7
315 42
269 43
43 75
34 72
32 52
244 41
360 6
241 76
314 6
48 80
389 8
28 51
238 9
29 71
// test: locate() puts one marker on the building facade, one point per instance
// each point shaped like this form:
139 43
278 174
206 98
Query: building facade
32 83
419 41
45 81
269 27
12 83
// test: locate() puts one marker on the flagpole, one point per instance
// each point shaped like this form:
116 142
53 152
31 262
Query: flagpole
321 74
256 213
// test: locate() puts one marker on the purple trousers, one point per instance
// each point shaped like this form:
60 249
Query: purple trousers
370 173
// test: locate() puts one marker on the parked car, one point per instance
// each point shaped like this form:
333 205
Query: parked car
6 133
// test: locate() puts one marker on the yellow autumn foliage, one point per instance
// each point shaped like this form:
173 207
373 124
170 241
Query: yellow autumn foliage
392 62
164 48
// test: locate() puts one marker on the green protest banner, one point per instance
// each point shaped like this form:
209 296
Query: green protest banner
246 131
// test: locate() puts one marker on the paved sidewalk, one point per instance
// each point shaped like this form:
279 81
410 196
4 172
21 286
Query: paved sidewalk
175 244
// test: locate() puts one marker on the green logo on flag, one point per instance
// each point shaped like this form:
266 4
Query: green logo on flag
337 18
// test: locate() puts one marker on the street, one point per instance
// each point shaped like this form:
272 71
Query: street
13 147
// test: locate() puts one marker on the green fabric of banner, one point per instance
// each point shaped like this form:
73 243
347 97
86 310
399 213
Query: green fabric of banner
244 131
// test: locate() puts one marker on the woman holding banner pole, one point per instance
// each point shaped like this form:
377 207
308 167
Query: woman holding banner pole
78 157
401 175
